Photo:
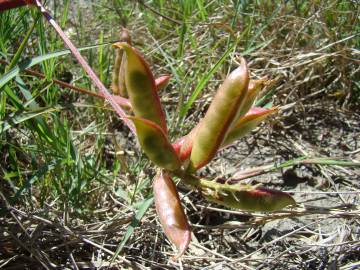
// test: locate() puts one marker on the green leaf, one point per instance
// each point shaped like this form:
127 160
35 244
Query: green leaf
39 173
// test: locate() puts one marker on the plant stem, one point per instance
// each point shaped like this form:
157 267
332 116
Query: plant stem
86 67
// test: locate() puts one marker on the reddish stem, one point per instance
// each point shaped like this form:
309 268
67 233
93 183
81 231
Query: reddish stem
86 67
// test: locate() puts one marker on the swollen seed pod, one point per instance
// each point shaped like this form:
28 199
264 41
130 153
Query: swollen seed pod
162 82
234 194
171 213
118 77
247 123
155 144
116 71
123 102
140 84
258 199
183 145
220 117
255 86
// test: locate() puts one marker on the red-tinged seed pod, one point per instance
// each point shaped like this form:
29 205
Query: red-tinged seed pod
220 117
141 88
118 78
247 123
124 37
155 144
171 213
116 72
183 146
8 4
187 144
123 102
162 82
255 86
258 199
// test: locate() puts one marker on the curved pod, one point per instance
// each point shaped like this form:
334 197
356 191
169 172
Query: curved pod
162 82
141 87
247 123
219 118
155 144
234 194
171 213
259 199
118 78
255 86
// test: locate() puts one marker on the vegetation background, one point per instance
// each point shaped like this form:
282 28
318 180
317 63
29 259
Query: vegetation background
76 189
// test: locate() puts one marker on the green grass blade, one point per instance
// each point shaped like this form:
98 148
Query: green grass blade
22 46
204 80
134 223
263 27
5 125
8 76
39 173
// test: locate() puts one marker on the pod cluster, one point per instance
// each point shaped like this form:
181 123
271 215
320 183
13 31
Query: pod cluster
230 116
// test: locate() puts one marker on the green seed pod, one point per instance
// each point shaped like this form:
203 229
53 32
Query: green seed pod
220 117
247 123
171 213
155 144
121 82
140 84
116 71
259 199
118 78
255 86
244 197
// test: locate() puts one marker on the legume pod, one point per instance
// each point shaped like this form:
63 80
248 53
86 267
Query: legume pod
244 197
162 82
171 213
220 117
254 88
242 127
247 123
118 79
260 199
141 87
155 144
